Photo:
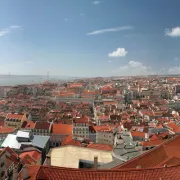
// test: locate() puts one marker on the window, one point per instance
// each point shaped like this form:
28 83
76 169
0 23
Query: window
2 173
2 164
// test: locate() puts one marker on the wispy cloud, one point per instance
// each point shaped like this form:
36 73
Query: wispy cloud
116 29
96 2
81 14
28 62
9 30
119 52
133 68
174 32
15 27
4 32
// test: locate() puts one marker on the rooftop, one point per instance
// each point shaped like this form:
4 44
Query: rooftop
15 116
156 156
56 173
69 156
105 147
42 125
5 130
37 141
35 154
62 129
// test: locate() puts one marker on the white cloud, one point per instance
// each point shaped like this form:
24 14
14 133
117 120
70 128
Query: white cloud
119 52
96 2
15 27
133 68
9 30
174 70
4 32
116 29
110 61
174 32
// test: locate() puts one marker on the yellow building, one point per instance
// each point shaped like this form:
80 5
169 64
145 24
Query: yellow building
15 120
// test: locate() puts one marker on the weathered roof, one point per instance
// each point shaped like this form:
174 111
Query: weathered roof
56 173
105 147
42 125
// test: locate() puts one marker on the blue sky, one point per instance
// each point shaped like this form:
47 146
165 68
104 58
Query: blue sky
89 38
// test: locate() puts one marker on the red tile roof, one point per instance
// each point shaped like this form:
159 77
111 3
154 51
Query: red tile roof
15 116
27 159
138 134
101 128
152 143
57 173
32 172
5 130
105 147
174 127
171 161
81 120
76 85
65 129
152 158
70 141
35 154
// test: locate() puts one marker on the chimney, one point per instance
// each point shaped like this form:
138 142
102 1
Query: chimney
95 162
25 172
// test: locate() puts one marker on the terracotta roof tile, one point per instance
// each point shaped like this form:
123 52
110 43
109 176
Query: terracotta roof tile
4 130
70 141
27 159
81 120
152 158
34 154
32 172
137 134
56 173
171 161
152 143
62 129
15 116
105 147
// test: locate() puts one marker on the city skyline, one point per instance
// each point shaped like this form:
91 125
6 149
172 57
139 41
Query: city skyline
89 38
